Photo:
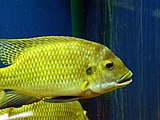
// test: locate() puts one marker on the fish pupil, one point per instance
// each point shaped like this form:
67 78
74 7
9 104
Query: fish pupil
109 65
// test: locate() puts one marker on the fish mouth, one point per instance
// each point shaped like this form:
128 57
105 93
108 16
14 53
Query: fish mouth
125 79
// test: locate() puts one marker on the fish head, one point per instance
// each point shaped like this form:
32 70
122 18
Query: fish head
111 73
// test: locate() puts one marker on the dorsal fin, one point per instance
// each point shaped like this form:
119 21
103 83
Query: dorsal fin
11 48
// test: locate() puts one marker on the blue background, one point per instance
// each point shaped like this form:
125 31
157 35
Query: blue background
29 18
135 39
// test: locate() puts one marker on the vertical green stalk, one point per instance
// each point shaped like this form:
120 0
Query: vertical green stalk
78 20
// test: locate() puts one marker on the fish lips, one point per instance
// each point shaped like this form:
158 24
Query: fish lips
125 79
109 86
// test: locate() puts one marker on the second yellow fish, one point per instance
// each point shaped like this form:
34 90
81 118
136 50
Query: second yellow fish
45 111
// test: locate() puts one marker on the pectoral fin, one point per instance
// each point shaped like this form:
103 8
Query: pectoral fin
14 99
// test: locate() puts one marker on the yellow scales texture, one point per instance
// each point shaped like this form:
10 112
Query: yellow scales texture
47 111
43 66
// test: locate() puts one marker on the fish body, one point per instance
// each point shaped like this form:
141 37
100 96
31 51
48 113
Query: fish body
49 67
57 66
45 111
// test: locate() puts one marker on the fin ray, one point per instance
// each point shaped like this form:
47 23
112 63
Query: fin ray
10 49
14 99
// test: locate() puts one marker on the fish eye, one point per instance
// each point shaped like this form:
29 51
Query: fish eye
86 113
109 65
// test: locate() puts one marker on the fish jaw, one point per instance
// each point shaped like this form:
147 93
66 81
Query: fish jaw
102 88
124 80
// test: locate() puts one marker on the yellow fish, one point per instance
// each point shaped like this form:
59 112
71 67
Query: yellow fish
45 111
57 68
